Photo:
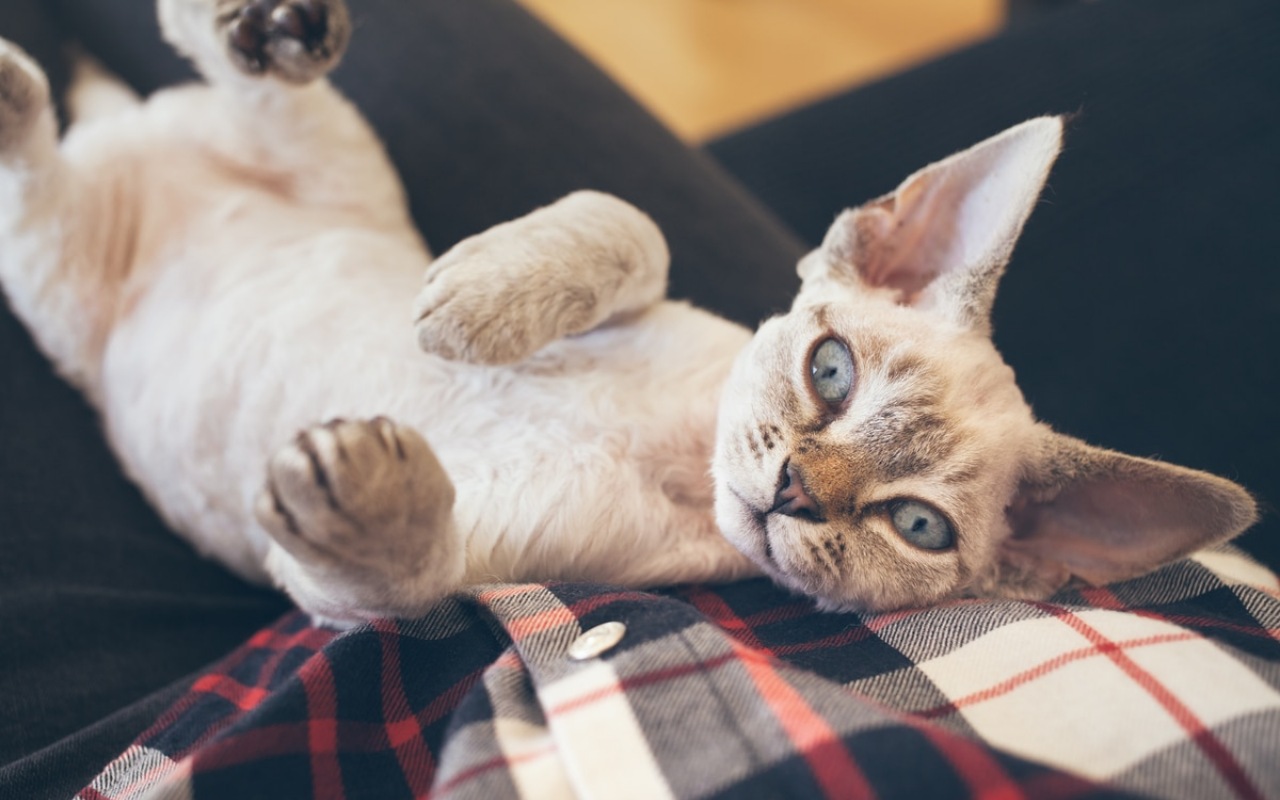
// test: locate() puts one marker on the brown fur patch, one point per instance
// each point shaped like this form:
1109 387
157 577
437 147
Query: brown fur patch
871 349
905 367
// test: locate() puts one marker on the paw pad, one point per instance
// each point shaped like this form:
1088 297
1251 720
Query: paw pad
356 492
261 32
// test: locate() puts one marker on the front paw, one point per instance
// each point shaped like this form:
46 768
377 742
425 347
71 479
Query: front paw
558 271
24 94
482 315
503 295
297 40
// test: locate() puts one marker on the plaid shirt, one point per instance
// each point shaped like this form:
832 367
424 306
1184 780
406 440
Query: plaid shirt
1167 685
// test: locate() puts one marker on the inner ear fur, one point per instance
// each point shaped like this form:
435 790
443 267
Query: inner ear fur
1103 516
941 240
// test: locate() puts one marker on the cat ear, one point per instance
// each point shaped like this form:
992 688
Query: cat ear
942 239
1104 516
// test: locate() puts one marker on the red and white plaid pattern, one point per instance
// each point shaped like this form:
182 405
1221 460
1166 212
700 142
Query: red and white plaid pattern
1168 685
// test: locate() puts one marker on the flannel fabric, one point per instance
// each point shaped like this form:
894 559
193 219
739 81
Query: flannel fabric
1168 685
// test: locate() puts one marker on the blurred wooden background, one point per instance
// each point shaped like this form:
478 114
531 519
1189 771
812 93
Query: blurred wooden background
706 67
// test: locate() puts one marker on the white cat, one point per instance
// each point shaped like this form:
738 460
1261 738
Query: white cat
229 273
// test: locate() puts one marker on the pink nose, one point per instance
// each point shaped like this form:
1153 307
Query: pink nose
791 498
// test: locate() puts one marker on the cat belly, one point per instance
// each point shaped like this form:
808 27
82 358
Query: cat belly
223 356
588 461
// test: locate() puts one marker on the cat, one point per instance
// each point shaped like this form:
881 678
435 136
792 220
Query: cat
230 275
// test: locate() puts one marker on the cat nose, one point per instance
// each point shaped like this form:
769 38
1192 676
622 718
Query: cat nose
791 499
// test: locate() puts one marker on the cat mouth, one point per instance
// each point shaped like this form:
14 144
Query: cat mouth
761 520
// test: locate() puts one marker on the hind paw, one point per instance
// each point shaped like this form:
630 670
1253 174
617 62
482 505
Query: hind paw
297 40
367 495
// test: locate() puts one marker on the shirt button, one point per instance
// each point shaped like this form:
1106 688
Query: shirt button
597 640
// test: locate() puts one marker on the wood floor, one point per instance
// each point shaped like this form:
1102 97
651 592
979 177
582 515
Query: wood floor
708 66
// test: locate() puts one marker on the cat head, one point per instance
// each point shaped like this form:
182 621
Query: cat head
873 450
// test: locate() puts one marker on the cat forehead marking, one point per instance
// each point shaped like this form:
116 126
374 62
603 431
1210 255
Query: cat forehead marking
907 431
897 424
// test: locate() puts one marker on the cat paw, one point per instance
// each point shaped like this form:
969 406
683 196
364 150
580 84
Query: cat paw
499 297
366 496
24 94
296 40
489 313
558 271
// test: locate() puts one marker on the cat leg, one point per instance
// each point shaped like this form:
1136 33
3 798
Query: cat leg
361 514
53 262
562 270
277 116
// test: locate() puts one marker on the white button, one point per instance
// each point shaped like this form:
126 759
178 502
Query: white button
597 640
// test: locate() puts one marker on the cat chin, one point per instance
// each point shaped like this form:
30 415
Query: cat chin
747 530
749 534
875 593
753 542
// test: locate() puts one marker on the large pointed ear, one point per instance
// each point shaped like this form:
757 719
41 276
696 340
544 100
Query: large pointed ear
1103 516
942 239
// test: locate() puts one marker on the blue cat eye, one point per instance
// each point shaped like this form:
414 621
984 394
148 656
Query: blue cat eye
831 371
921 525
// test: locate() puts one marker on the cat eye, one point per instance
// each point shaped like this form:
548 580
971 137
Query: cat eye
831 371
921 525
